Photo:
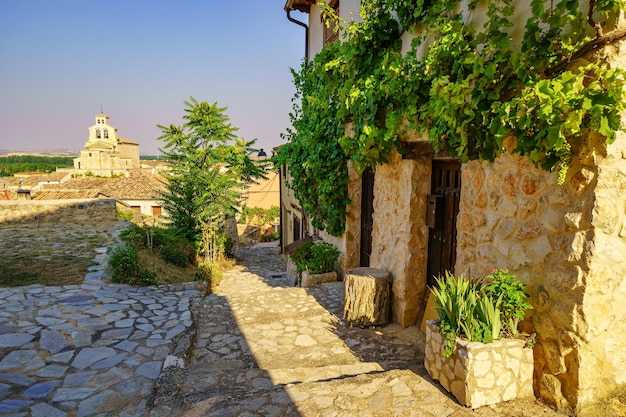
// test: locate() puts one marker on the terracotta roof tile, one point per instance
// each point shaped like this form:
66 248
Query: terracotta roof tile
139 186
65 194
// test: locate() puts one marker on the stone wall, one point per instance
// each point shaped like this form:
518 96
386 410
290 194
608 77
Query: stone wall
400 235
56 211
567 244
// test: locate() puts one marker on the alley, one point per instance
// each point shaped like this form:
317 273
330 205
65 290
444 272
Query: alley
264 348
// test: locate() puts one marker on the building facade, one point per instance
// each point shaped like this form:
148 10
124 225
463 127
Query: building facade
106 153
423 213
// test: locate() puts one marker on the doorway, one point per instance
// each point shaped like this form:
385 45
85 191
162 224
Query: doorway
367 216
443 210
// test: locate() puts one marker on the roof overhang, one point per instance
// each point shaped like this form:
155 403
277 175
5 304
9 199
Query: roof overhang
300 5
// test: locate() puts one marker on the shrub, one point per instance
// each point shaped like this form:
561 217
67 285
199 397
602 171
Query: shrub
124 263
145 278
174 254
124 214
513 294
134 235
470 310
268 237
317 258
126 267
210 273
173 249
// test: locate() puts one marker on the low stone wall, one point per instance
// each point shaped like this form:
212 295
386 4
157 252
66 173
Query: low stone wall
56 211
479 374
309 279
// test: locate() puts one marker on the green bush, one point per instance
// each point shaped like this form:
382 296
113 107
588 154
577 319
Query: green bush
258 215
173 249
134 235
124 215
126 268
268 237
145 278
174 254
317 258
124 263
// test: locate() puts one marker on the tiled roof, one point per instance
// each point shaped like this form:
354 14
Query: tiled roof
33 181
85 183
154 163
64 194
8 195
9 181
139 186
300 5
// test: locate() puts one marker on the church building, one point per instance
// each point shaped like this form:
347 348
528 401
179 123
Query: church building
105 152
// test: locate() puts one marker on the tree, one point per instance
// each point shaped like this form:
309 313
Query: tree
210 167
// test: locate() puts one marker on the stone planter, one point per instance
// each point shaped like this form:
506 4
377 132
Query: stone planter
479 374
307 279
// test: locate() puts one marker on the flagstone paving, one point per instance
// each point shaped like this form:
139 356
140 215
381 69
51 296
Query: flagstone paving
264 348
94 349
256 347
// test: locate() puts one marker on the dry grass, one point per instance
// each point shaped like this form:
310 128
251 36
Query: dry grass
51 254
61 254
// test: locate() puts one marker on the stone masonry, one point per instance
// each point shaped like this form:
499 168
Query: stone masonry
479 374
57 211
567 244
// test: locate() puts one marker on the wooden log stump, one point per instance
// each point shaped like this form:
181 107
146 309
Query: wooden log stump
366 296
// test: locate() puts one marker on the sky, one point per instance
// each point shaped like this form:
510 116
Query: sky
63 61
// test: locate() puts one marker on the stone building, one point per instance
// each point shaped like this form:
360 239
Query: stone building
422 213
106 153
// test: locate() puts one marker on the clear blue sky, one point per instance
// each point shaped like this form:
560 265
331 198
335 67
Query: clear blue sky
61 60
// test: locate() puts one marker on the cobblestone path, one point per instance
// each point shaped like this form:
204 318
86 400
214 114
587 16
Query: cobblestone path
263 348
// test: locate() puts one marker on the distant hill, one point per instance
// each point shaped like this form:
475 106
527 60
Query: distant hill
41 152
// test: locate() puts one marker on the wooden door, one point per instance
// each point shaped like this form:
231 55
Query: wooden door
367 216
444 203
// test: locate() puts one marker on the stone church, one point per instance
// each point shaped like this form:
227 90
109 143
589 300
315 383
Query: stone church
105 152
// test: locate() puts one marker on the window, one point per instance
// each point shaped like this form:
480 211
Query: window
106 133
331 28
90 154
156 211
136 209
98 135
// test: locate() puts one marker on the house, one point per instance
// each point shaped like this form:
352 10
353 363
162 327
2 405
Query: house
106 153
264 192
422 211
139 190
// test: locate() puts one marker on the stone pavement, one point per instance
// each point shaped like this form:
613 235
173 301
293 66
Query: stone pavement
94 349
264 348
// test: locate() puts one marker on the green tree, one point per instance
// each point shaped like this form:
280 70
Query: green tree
210 167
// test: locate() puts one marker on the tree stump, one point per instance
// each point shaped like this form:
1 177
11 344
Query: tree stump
366 296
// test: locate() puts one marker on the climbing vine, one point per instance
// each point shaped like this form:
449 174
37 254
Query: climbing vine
467 88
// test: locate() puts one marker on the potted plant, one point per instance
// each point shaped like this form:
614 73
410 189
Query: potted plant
475 350
315 262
